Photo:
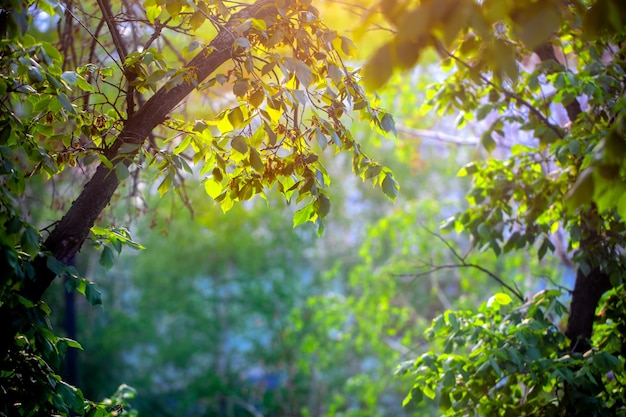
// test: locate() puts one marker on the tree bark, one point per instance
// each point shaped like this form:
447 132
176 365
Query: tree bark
587 292
69 234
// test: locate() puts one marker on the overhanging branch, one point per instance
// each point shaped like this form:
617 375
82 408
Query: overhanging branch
68 236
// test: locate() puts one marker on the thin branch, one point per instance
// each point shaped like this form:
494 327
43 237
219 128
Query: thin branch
107 14
94 37
557 285
438 136
509 94
173 49
445 242
462 263
120 47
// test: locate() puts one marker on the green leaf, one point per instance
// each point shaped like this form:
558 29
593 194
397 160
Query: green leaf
197 19
303 74
303 215
213 188
388 124
235 117
483 111
106 258
121 171
581 192
30 241
372 171
72 343
69 77
240 88
429 392
336 138
52 52
34 75
54 265
417 395
240 144
243 43
545 245
153 12
97 411
499 299
536 22
407 399
449 379
93 294
82 83
390 187
335 73
487 141
129 147
257 98
348 47
71 396
25 302
174 7
322 206
184 144
255 160
65 103
469 169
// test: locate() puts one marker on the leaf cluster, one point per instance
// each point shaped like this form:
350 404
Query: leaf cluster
511 360
291 88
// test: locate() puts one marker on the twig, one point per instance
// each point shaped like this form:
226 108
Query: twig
438 136
462 263
120 47
95 38
507 93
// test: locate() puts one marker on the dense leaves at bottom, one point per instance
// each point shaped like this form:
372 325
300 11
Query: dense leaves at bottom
509 360
30 383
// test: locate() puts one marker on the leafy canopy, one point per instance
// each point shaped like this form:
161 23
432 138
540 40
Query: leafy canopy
102 98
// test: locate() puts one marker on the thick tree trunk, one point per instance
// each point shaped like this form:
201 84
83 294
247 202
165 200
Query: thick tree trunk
69 234
587 292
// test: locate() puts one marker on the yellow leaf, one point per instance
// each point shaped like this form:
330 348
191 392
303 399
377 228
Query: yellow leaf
197 19
174 7
257 97
235 117
212 188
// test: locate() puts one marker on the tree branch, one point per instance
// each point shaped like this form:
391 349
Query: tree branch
509 94
462 263
120 47
68 236
438 136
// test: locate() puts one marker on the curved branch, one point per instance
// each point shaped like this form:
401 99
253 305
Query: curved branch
462 263
68 236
